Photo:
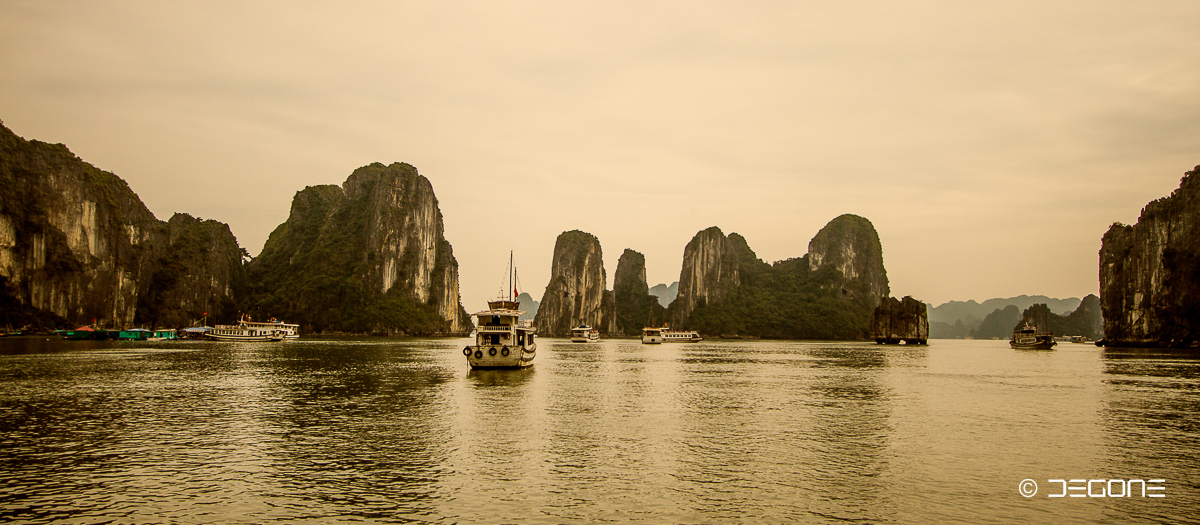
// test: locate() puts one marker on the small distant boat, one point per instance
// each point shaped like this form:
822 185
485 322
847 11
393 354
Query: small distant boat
584 334
653 336
502 340
142 334
248 330
1028 338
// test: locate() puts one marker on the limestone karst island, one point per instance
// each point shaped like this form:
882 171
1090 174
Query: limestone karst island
79 249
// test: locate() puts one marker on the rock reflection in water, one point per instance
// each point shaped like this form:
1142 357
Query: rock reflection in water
718 431
1151 419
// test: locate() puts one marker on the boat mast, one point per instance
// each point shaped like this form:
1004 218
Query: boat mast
510 271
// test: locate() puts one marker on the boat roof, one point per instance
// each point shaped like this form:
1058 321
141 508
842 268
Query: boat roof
502 313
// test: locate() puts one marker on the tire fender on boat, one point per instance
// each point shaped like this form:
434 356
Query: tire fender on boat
504 351
466 350
478 354
492 351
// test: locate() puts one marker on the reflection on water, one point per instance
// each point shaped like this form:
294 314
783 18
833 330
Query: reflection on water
1152 418
769 431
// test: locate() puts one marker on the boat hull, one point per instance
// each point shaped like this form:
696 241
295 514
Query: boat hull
489 357
1039 342
683 339
1041 345
248 338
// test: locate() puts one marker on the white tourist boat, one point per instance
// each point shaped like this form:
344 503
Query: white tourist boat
248 330
502 340
653 336
584 334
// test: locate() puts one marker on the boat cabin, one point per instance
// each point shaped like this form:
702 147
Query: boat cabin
502 340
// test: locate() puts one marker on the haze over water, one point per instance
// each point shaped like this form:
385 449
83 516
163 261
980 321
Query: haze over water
719 431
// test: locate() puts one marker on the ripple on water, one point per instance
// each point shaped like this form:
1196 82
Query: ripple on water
768 431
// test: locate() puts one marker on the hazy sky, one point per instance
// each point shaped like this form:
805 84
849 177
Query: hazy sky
990 143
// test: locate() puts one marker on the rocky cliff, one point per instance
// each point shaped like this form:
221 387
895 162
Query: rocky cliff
1084 321
369 256
576 290
634 307
1150 273
711 271
75 241
198 269
830 293
850 244
900 320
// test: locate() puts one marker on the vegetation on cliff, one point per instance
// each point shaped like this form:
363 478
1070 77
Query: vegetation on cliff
1150 273
198 269
1084 321
786 300
77 244
731 292
321 270
576 292
635 307
998 324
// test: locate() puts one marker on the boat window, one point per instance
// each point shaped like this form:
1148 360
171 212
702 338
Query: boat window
520 338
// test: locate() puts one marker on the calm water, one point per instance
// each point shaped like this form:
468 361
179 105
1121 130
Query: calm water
763 431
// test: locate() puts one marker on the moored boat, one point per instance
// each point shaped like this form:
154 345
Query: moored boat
652 336
584 334
248 330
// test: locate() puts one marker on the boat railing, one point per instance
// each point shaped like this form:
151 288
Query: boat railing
495 328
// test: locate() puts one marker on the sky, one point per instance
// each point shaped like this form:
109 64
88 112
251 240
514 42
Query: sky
991 144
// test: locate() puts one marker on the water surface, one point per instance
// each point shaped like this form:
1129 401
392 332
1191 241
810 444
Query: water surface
718 431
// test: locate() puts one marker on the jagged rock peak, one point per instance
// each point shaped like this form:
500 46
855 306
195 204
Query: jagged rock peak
631 273
1149 289
850 244
711 262
381 230
576 291
632 307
